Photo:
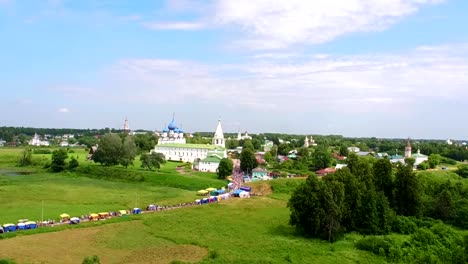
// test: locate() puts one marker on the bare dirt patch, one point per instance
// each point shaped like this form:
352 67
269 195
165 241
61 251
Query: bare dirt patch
160 255
72 246
261 188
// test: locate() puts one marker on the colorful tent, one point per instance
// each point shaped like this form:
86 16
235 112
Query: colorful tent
93 216
64 216
74 220
136 211
123 212
31 225
103 215
1 230
151 207
9 227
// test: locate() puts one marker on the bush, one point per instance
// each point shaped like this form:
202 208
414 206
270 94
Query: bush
7 261
73 164
42 151
377 245
404 225
449 161
463 171
423 166
91 260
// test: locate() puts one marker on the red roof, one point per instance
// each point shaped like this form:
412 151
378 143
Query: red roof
325 171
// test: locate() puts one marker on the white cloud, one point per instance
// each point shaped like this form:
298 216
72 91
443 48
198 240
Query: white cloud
357 83
63 110
174 25
268 24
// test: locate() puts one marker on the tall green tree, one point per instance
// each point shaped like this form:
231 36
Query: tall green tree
247 144
344 151
434 160
109 151
58 162
144 142
321 158
268 157
152 160
383 177
129 151
407 191
316 208
247 160
225 168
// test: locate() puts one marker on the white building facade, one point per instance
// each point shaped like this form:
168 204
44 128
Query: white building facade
36 141
173 146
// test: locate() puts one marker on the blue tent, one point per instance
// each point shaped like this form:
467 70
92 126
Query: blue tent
31 225
237 192
9 227
220 191
206 200
246 188
21 226
136 211
74 221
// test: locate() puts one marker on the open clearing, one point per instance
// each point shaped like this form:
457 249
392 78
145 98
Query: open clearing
129 242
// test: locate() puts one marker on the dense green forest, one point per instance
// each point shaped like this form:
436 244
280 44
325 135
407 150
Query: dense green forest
374 198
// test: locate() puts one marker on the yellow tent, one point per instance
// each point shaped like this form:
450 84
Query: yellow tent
94 216
64 216
202 192
123 212
210 189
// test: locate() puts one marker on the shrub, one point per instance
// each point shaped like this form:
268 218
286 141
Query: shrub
376 245
73 164
42 151
91 260
404 225
7 261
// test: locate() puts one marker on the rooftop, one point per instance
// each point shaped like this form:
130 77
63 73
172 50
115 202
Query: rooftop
193 146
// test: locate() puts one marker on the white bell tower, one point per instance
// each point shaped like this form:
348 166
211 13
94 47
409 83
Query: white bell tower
218 139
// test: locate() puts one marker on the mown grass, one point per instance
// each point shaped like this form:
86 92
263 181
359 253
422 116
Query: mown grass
91 188
252 230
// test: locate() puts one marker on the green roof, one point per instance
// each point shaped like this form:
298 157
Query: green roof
211 159
193 146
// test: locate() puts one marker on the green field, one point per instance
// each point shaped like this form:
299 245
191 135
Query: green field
92 188
254 230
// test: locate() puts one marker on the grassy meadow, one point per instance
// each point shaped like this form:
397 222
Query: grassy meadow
254 230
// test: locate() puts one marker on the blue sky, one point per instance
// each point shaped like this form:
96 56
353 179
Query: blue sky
390 68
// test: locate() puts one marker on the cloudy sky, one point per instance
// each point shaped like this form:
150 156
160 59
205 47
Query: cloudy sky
384 68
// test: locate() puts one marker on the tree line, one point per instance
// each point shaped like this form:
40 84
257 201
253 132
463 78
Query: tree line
374 198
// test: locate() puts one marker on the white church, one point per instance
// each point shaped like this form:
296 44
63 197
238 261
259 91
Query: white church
172 144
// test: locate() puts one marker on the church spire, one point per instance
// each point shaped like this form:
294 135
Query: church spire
408 149
218 139
126 128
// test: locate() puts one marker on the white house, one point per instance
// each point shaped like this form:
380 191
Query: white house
36 141
210 163
354 149
419 158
